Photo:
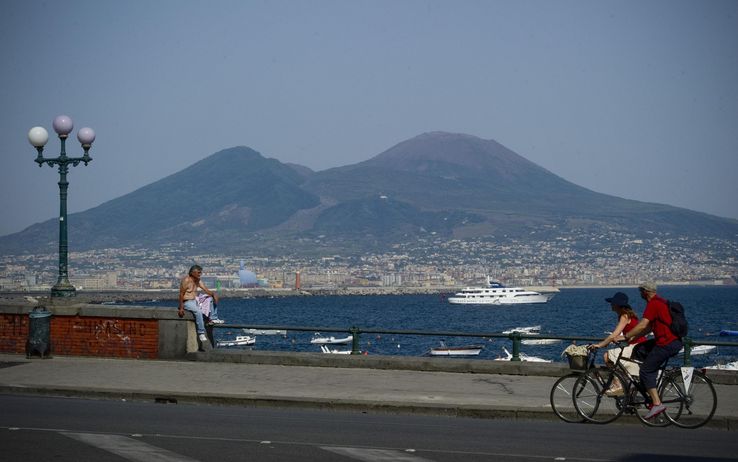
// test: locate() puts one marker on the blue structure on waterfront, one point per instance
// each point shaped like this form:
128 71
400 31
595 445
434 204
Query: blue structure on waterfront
247 278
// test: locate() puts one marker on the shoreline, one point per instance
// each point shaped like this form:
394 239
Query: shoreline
143 295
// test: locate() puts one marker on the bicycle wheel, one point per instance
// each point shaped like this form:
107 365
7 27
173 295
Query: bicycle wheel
590 399
561 399
698 402
640 406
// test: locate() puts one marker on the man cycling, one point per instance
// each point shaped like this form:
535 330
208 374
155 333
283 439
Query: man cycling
657 319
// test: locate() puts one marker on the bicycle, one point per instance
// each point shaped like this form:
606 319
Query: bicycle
687 393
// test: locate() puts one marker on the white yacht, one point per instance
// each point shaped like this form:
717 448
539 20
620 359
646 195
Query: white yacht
497 294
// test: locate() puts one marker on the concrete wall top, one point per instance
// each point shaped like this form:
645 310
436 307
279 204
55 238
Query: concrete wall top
90 310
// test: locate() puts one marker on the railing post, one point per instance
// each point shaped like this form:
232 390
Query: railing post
355 341
687 351
515 336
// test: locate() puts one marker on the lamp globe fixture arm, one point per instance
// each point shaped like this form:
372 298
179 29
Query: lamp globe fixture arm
38 137
86 137
63 125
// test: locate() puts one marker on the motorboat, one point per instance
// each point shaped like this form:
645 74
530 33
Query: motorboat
497 294
700 349
327 349
731 366
523 357
728 332
523 330
240 340
283 333
320 340
531 330
443 350
540 341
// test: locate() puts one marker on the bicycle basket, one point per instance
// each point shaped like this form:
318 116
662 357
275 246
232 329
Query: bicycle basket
577 362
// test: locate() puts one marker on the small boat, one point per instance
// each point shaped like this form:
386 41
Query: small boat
320 340
523 330
523 357
326 349
531 330
728 332
240 340
540 341
265 332
731 366
700 349
443 350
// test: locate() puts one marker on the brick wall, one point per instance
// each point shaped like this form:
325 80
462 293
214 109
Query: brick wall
86 336
112 338
13 332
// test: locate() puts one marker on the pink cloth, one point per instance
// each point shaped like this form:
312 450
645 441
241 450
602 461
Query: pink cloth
205 302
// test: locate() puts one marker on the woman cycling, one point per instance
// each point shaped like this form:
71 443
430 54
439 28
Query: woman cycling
627 320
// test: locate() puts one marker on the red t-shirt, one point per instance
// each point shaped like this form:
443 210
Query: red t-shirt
659 317
628 327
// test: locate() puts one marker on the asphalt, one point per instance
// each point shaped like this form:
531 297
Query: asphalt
445 386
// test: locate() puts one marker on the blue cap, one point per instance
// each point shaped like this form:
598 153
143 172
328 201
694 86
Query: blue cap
619 299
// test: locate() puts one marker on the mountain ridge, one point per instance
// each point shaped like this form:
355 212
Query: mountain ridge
439 183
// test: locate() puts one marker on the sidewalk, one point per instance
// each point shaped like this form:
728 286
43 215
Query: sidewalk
222 379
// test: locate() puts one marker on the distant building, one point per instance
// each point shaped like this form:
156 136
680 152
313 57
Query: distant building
109 280
30 280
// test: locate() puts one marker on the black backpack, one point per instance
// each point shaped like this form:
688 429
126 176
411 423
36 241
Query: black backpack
679 325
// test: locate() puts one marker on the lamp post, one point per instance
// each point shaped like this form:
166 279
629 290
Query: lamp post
38 136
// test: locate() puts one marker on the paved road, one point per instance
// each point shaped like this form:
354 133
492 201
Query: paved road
409 391
36 428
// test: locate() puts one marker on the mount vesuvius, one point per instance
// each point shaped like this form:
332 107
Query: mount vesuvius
438 183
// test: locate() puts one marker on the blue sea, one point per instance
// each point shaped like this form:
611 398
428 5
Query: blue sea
572 312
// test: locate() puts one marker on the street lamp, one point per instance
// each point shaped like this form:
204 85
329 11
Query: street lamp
38 136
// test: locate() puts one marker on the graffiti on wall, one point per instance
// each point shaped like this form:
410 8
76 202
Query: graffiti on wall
133 338
107 328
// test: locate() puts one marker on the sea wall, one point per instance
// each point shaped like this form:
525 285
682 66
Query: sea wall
79 329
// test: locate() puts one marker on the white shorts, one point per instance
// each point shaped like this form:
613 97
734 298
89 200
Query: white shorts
631 367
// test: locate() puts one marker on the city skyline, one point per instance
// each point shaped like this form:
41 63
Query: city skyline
632 99
617 259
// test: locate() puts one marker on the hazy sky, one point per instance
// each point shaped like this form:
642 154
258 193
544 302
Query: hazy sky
635 98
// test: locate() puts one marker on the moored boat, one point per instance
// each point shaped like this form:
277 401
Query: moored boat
327 349
731 366
523 357
240 340
523 330
700 349
443 350
531 330
265 332
320 340
540 341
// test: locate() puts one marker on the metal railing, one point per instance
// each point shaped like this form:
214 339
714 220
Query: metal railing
515 337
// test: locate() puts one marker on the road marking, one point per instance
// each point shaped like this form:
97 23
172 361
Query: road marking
128 448
375 455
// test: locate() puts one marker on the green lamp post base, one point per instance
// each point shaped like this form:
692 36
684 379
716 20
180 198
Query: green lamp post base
63 291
